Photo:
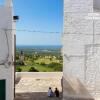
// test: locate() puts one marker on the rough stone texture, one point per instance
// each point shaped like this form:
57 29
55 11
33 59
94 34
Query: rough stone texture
38 84
30 87
93 70
7 49
81 50
77 23
35 96
78 5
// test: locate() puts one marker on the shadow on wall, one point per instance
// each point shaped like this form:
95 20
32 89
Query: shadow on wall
35 96
96 5
17 80
73 89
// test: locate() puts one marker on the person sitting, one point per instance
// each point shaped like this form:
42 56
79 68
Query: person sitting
56 92
50 92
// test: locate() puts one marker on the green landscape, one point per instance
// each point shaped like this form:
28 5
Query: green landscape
38 59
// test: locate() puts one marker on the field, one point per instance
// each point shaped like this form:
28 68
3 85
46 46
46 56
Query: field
38 59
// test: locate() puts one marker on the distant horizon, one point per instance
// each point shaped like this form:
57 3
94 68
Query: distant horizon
38 45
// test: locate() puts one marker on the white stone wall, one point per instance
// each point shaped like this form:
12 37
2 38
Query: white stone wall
7 70
78 6
81 42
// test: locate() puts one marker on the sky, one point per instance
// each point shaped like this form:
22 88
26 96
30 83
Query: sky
39 15
2 2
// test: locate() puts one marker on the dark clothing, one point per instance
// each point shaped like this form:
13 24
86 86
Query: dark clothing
57 93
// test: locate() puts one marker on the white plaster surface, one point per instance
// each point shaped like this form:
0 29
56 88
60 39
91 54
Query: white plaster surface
81 49
78 5
7 72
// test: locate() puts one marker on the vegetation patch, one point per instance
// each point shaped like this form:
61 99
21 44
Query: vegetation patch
39 60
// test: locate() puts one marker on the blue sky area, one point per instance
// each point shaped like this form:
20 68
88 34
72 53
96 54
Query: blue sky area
39 15
2 2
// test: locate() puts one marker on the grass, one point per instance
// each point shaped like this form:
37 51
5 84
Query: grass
40 64
40 68
24 68
46 60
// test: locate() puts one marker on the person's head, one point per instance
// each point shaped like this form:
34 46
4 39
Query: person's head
49 87
56 89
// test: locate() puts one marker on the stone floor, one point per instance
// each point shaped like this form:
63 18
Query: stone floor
37 84
29 88
35 96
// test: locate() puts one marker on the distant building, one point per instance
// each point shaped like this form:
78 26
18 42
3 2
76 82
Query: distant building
21 56
7 51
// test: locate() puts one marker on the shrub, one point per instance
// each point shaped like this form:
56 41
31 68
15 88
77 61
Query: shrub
43 64
18 69
58 68
22 63
32 69
53 64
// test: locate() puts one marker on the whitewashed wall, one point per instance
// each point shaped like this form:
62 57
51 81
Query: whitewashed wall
81 50
7 70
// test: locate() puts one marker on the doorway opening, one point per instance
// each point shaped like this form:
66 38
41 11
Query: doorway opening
39 61
2 89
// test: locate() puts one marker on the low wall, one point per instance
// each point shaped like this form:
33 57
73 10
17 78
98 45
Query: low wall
38 74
